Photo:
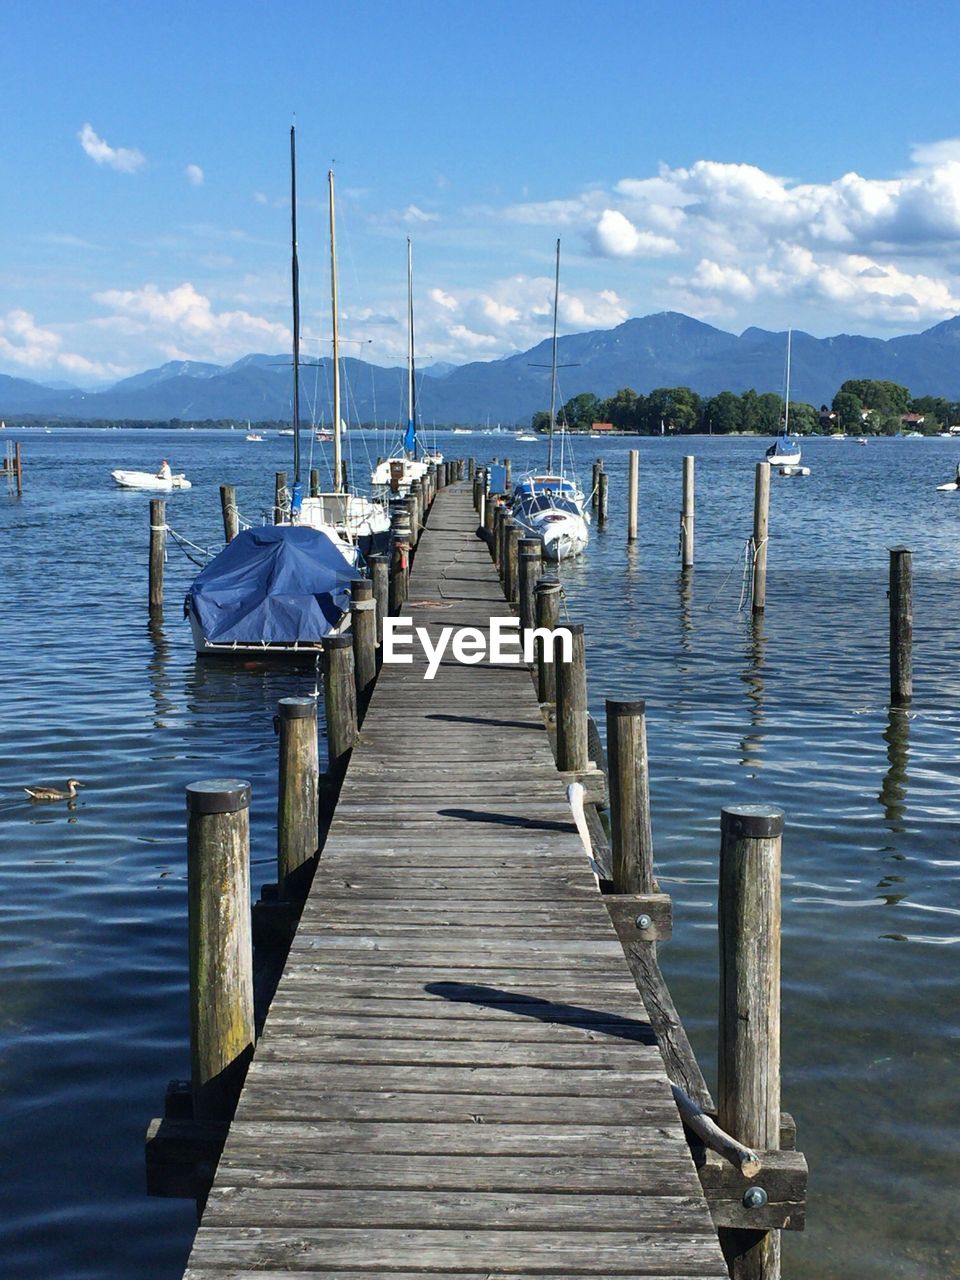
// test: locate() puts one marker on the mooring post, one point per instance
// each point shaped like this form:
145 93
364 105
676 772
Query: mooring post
221 950
511 579
418 512
601 499
18 467
572 754
471 468
476 492
507 474
158 542
633 491
399 554
228 508
687 513
761 524
380 577
749 1033
548 619
340 702
530 566
297 794
314 482
279 496
595 483
499 516
631 838
363 624
412 508
431 483
489 521
901 625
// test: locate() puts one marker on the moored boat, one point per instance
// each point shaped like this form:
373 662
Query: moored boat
147 480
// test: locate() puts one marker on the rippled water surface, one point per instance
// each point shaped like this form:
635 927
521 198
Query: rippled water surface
793 710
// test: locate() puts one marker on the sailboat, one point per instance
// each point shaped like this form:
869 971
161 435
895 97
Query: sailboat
357 520
407 463
785 450
277 590
550 505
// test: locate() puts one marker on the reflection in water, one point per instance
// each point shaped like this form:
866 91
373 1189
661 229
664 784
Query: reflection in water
158 674
751 743
893 789
686 610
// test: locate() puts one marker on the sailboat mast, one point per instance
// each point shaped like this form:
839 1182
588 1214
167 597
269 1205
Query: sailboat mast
411 380
295 286
786 414
337 454
553 363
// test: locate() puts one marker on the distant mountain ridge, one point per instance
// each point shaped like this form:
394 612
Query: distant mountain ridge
663 350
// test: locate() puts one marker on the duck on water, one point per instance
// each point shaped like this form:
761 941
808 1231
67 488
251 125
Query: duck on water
54 793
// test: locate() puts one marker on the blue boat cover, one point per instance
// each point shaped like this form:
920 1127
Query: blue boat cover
279 584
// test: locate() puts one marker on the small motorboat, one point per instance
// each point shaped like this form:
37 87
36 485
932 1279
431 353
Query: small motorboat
254 436
527 438
148 480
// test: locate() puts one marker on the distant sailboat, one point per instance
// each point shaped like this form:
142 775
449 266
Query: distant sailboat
785 450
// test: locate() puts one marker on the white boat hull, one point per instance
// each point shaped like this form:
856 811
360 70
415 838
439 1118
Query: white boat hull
413 469
357 518
146 480
564 536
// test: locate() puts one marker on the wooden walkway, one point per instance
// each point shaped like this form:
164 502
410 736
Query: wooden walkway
456 1075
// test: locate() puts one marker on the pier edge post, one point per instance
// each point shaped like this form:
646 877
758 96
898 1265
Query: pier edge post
221 950
340 702
631 837
380 577
228 508
572 753
297 792
363 625
547 618
529 567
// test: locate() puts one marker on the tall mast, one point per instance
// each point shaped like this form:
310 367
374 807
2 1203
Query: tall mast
553 363
411 435
295 285
786 415
337 456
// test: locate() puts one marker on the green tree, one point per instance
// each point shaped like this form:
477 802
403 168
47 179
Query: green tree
622 409
849 410
724 412
804 419
580 412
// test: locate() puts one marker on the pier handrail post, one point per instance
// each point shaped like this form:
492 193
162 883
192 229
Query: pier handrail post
633 491
547 619
363 625
511 578
761 526
279 496
298 813
901 626
221 950
687 514
228 508
631 837
340 702
380 577
314 482
749 1032
530 566
158 541
572 753
601 499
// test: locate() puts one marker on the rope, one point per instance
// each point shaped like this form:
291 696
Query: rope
183 543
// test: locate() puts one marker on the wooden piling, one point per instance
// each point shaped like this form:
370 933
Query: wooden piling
633 491
18 467
901 626
158 541
417 512
228 508
761 524
471 468
380 577
489 519
399 553
631 837
749 1033
529 566
511 579
279 496
687 514
297 794
601 499
595 483
363 625
221 952
572 703
499 516
507 474
340 702
314 482
548 619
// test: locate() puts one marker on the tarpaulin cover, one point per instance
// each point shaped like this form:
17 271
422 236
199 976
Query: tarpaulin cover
278 584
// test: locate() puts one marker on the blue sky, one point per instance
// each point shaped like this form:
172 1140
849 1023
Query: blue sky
771 164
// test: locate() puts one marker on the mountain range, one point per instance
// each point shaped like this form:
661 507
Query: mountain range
663 350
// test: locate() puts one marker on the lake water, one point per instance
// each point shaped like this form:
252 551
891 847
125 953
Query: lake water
792 710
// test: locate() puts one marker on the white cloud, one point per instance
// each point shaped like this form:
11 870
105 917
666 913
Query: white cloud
615 236
123 159
194 175
37 349
184 316
413 215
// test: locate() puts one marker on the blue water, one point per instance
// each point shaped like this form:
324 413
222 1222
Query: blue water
791 710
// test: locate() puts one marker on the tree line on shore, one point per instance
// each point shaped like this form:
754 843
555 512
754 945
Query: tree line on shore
861 406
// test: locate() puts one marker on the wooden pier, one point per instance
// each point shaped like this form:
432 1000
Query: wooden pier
457 1075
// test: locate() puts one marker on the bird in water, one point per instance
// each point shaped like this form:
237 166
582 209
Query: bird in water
54 793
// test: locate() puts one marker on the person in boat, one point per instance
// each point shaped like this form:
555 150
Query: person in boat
164 473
